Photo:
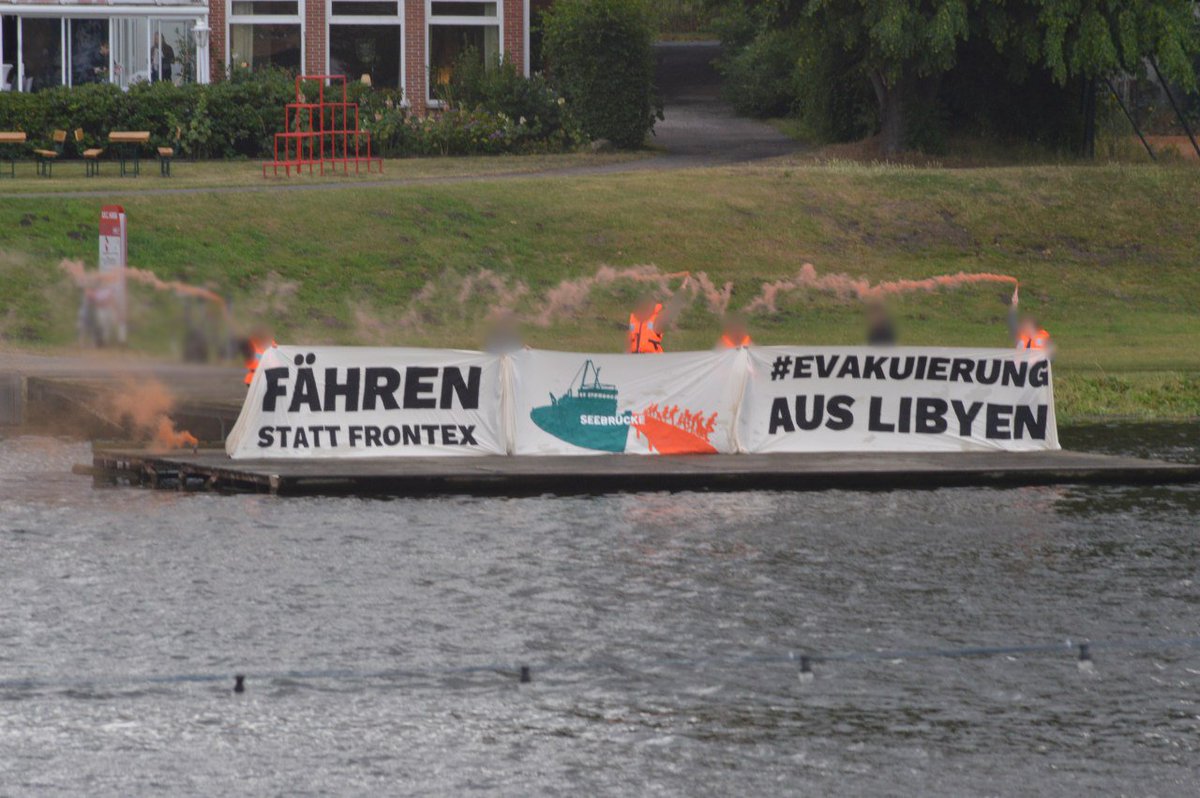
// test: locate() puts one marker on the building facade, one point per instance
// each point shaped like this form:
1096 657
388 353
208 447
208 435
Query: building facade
406 44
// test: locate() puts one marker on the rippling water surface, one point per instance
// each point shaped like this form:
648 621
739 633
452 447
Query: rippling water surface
106 595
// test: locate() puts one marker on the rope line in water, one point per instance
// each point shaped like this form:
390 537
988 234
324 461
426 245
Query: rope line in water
524 672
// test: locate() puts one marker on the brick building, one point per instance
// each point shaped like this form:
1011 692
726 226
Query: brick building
394 43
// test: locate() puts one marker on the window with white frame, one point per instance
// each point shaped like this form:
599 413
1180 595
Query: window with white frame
265 33
365 41
39 52
457 27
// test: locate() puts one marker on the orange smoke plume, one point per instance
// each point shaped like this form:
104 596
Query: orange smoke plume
145 404
566 298
846 287
84 278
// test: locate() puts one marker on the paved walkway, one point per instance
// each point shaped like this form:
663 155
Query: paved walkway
700 129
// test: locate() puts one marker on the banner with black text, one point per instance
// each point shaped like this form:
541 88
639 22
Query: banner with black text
321 402
902 399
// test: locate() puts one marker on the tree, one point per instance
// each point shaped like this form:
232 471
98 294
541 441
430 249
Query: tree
905 47
600 55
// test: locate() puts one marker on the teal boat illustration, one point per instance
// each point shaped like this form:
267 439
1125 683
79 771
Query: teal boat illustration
586 415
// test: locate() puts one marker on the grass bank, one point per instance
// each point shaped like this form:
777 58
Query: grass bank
68 176
1106 255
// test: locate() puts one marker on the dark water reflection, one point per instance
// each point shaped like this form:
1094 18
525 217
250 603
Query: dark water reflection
97 584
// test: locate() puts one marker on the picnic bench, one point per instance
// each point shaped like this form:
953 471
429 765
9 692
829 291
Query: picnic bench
46 158
11 140
167 154
91 155
128 144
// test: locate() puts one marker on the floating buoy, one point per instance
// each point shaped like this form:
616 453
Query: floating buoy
1085 659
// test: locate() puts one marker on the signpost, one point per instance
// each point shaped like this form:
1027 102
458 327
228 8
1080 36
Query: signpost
114 252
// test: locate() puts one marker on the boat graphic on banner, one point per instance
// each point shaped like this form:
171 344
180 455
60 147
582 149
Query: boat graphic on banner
587 415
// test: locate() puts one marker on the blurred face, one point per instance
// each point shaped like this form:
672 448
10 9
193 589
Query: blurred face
876 314
644 308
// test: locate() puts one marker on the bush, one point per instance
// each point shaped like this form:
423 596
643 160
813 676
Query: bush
501 90
239 117
600 56
760 78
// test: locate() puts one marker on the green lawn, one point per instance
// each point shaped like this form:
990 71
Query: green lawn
68 175
1107 257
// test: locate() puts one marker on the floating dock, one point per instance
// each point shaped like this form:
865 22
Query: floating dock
212 469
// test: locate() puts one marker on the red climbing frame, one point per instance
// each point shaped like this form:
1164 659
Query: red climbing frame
322 132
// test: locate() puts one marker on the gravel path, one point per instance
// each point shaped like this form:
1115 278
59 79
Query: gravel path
700 127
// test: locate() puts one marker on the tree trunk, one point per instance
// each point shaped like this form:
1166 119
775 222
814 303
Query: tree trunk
892 113
1089 118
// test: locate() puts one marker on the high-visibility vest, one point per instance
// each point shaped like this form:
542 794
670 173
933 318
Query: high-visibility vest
1039 340
729 343
252 362
644 334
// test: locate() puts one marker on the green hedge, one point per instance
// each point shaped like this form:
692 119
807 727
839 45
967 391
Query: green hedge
239 117
600 55
250 113
500 88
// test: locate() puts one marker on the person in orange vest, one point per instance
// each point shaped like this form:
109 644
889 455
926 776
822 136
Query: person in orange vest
733 333
255 347
1026 332
648 321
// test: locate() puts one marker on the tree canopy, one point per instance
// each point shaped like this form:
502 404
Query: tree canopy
904 48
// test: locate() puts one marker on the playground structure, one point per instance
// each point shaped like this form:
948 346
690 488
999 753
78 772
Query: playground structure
322 132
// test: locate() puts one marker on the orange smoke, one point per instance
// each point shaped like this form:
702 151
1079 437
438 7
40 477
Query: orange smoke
84 278
846 287
485 282
502 294
145 404
569 296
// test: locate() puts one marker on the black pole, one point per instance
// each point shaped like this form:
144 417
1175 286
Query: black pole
1179 114
1129 116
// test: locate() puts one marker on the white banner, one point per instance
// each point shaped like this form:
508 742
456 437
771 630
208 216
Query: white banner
903 399
678 403
320 402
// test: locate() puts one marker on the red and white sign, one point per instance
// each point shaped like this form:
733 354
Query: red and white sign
114 252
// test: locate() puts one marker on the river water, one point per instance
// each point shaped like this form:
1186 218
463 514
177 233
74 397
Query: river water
112 600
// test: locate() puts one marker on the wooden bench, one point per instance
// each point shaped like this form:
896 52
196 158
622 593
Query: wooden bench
46 158
12 141
167 154
91 155
128 144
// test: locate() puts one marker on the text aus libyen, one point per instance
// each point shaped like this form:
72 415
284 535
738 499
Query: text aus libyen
369 389
906 413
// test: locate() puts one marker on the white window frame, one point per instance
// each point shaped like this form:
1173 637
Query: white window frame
355 19
17 76
431 20
65 13
267 19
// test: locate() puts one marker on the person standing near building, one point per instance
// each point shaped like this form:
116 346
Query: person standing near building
162 60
